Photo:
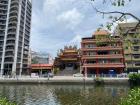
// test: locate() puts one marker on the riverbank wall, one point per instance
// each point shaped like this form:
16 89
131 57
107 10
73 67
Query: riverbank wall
64 80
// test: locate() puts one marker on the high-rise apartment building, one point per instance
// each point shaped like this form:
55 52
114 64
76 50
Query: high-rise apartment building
15 25
131 45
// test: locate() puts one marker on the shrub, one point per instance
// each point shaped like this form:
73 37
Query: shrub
134 76
134 80
99 81
133 98
4 101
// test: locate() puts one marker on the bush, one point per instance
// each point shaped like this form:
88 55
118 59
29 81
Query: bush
99 81
134 80
56 70
133 98
4 101
134 76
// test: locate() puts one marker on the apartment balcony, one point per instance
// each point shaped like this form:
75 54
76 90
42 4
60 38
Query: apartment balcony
3 8
11 43
131 52
102 40
13 11
111 56
11 36
104 65
3 3
14 7
27 37
8 59
12 27
2 39
25 61
2 18
132 59
132 66
11 32
7 56
14 2
3 23
26 49
3 13
13 21
11 39
102 48
136 52
13 17
2 28
9 50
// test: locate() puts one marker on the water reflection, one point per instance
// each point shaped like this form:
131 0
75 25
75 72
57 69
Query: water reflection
63 94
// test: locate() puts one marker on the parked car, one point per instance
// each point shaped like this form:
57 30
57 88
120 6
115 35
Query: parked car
48 75
34 75
51 75
78 75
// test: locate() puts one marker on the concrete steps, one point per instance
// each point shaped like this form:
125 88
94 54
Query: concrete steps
67 72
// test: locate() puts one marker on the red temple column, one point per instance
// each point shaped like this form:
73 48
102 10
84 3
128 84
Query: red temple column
97 71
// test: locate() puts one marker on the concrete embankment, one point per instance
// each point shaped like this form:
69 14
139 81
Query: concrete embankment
63 80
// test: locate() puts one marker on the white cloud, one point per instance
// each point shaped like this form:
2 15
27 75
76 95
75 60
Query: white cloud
131 20
76 40
71 18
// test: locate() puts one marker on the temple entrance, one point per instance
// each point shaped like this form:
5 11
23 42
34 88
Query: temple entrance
70 66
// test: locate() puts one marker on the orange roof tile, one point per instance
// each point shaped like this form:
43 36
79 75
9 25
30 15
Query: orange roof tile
101 32
41 65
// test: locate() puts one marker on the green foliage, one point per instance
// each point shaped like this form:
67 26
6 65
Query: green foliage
134 76
118 3
133 98
56 70
99 81
4 101
99 44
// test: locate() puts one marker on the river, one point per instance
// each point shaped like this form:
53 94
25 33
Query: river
63 94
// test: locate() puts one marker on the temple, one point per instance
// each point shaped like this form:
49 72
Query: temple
102 54
68 58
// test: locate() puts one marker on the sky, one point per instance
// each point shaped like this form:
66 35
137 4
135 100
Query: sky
57 23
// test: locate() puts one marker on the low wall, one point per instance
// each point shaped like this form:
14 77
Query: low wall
63 80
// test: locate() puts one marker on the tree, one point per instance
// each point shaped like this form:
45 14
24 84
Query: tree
121 16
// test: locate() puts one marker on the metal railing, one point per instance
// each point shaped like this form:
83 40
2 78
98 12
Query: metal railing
107 75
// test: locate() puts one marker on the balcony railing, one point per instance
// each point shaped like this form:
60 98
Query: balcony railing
102 40
104 65
102 48
102 56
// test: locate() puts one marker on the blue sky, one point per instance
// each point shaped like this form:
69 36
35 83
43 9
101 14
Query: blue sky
56 23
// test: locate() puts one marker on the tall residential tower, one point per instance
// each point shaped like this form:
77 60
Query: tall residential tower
15 25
